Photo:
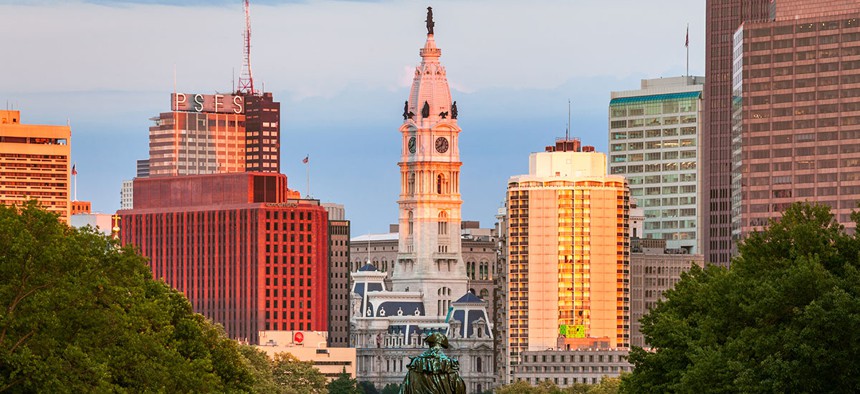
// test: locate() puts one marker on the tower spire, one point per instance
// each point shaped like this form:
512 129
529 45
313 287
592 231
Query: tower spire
246 80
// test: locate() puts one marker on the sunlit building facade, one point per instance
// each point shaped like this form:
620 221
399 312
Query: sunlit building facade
654 141
248 253
34 164
203 134
568 252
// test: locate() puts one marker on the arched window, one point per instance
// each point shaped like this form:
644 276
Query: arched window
484 270
440 183
485 294
480 367
470 270
410 185
443 223
411 227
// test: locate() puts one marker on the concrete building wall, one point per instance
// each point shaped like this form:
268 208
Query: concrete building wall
566 367
310 346
339 234
652 272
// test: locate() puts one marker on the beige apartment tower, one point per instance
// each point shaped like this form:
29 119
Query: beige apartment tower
568 252
34 164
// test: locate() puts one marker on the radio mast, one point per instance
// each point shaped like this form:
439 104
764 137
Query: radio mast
246 81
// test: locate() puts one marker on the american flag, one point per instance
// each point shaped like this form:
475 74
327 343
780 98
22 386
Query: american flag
74 171
305 160
687 41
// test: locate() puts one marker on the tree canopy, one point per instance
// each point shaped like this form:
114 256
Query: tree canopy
80 314
784 318
607 385
294 376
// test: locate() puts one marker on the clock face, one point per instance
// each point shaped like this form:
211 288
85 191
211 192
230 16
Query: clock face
441 145
412 145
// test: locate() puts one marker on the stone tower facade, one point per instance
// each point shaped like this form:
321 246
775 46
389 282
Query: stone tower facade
429 258
429 284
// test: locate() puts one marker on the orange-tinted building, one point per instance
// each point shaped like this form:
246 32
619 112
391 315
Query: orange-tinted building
245 253
34 164
568 251
203 134
81 207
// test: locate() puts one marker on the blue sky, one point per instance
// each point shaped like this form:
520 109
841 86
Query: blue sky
341 70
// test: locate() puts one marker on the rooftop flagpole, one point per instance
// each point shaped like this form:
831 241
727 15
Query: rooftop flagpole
687 45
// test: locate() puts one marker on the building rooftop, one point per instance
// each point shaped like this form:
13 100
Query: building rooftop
375 237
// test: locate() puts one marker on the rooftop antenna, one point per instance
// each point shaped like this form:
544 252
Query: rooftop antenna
246 81
567 132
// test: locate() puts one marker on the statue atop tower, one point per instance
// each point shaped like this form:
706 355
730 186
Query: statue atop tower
429 20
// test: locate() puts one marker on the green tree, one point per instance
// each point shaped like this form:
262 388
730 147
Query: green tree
390 388
367 387
295 376
784 318
80 314
344 384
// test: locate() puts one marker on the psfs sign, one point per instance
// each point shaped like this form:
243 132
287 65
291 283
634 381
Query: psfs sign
218 103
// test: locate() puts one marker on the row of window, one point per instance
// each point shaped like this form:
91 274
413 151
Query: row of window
653 108
651 133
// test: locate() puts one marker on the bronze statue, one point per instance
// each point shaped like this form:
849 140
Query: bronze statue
454 110
425 110
405 109
429 20
433 372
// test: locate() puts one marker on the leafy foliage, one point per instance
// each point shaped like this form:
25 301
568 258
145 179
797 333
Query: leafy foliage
344 384
784 318
80 314
607 385
294 376
390 388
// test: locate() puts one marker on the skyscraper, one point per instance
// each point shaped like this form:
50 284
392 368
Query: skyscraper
722 18
654 142
34 164
263 133
796 120
338 276
244 249
568 253
203 134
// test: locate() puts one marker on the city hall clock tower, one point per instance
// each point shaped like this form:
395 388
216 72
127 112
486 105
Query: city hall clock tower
429 258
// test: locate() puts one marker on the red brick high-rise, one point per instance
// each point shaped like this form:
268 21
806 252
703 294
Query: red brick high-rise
722 19
244 249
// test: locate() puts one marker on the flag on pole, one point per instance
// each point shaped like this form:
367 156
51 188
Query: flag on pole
305 160
687 41
74 171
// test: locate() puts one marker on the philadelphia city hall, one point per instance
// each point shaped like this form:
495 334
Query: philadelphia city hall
429 290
